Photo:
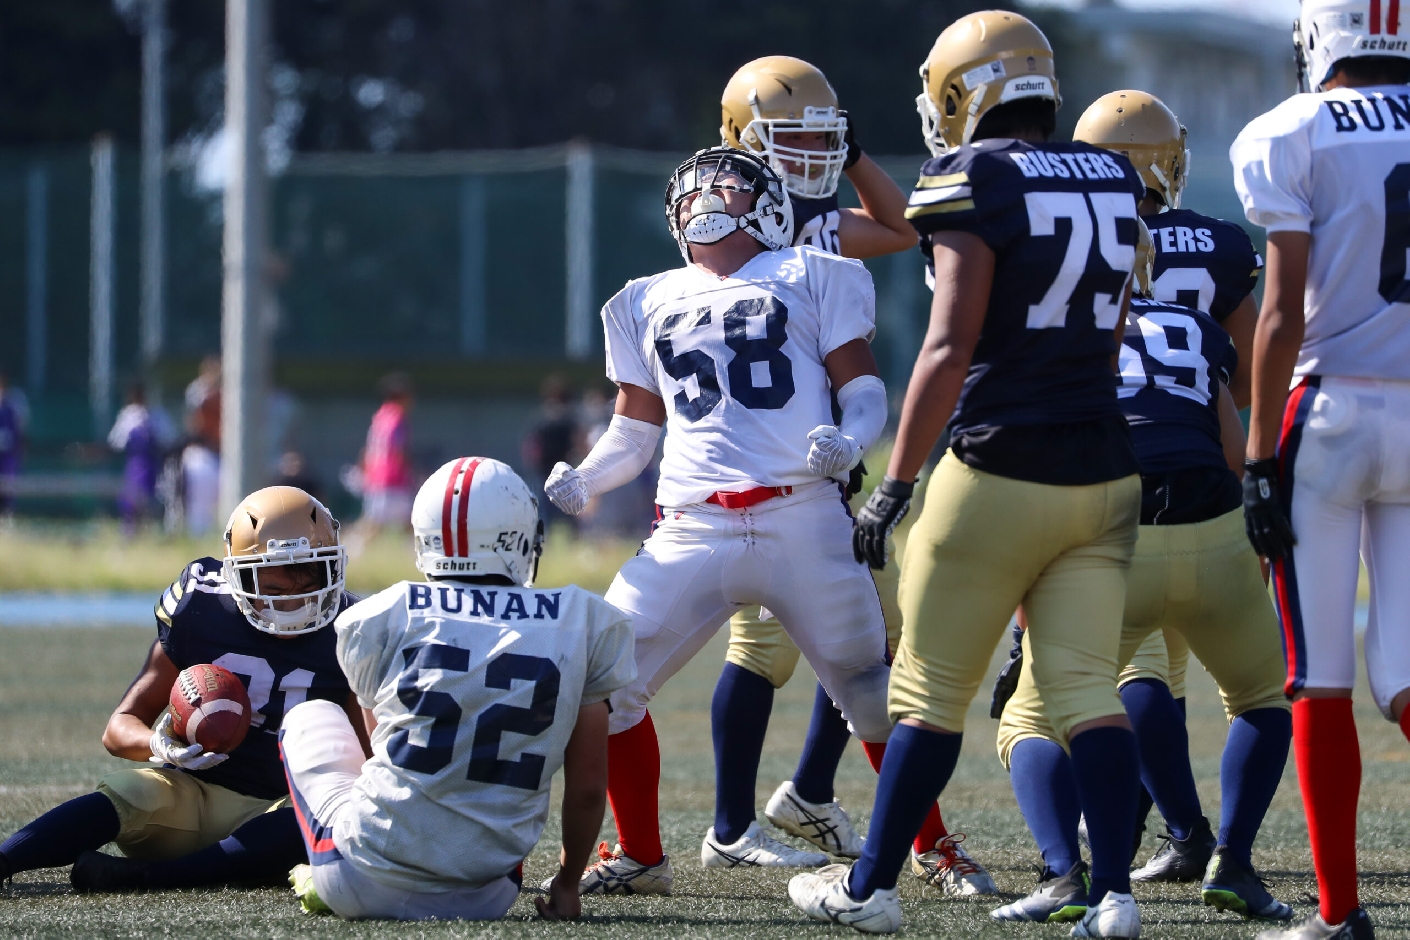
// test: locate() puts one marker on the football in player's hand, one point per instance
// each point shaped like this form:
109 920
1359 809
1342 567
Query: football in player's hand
209 707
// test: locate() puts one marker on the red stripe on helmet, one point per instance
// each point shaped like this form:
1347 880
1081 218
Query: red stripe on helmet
462 520
1376 16
447 544
1393 17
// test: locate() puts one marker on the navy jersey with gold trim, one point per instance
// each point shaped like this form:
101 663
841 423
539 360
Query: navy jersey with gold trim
1202 262
1173 360
198 622
1061 221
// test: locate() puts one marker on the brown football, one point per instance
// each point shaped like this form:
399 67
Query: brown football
209 707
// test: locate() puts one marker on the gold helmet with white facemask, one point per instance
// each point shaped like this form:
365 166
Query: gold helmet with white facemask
779 94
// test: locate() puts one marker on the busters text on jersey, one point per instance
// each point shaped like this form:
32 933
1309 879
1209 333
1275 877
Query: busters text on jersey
1092 166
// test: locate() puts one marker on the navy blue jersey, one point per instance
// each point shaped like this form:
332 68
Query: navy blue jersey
1061 221
1173 359
198 622
1202 262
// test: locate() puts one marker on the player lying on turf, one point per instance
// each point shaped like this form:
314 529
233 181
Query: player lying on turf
475 689
1037 500
259 613
783 109
737 352
1193 576
1328 175
1210 265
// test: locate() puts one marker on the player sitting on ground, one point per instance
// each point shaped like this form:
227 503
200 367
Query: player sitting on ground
260 614
737 351
475 689
1210 265
783 109
1328 175
1037 500
1193 576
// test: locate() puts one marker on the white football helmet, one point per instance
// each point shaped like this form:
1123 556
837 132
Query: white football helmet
476 517
1327 31
769 221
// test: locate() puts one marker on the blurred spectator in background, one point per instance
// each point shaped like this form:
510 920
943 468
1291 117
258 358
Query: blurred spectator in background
625 512
293 471
557 436
386 470
14 416
200 458
142 435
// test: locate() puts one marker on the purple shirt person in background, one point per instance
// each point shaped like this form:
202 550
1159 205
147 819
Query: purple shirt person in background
141 434
13 413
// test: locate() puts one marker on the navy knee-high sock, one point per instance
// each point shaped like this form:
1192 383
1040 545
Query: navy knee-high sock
260 852
739 717
917 766
1164 748
1046 790
1104 764
1249 773
822 750
61 835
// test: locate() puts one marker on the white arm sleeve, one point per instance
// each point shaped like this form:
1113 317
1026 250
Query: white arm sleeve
863 402
619 456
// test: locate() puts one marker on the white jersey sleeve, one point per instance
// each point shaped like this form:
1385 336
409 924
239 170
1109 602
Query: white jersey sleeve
624 342
846 296
476 691
1336 164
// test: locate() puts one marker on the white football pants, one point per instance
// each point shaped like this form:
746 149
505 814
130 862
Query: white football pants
323 760
1345 458
791 554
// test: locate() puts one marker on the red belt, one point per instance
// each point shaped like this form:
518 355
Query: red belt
746 498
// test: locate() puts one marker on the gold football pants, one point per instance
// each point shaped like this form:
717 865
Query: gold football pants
985 544
1198 584
165 813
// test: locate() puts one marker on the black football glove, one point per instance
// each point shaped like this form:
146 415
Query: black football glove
887 506
855 478
1007 681
1264 520
854 152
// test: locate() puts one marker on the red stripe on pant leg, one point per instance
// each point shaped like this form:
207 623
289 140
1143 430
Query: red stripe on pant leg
1329 774
633 779
447 542
461 522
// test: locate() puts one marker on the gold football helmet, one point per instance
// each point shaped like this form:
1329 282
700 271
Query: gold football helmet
1141 127
781 94
980 61
1145 262
276 526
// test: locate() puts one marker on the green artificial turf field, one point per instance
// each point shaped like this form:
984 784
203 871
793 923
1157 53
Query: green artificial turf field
57 687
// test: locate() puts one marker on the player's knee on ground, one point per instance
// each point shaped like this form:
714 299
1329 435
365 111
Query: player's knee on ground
1024 715
165 813
761 646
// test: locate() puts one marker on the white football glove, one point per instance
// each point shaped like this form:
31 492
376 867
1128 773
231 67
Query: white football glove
832 451
167 748
566 489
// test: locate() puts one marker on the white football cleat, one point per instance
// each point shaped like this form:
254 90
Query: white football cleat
1116 916
615 873
755 848
952 869
822 895
825 825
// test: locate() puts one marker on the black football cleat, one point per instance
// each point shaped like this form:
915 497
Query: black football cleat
96 873
1230 886
1357 926
1180 859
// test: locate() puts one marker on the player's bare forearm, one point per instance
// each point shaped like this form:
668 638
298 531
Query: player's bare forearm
964 274
880 226
640 404
584 790
850 361
1240 326
129 731
1278 338
1231 431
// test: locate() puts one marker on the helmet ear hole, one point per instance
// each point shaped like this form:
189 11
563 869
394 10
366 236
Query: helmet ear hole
952 102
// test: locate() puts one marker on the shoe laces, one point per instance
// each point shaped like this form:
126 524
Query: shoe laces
955 858
605 853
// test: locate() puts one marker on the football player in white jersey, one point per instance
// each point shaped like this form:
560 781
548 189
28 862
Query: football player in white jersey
736 352
1328 175
475 689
